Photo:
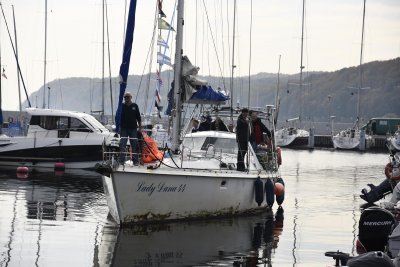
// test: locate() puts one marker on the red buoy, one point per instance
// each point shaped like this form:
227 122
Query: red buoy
59 166
279 189
22 172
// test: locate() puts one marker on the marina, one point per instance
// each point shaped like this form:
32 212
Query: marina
46 218
213 156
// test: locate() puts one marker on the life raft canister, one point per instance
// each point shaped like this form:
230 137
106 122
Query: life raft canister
150 152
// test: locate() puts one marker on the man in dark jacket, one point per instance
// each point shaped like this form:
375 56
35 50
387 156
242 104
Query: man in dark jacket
130 121
257 131
242 138
205 125
218 125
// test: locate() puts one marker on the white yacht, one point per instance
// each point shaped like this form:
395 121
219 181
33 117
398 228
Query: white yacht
75 139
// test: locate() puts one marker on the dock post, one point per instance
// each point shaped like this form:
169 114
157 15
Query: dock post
361 146
311 138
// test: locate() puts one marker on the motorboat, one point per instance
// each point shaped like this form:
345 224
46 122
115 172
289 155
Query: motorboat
74 139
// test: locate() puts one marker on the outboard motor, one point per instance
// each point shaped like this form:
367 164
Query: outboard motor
371 259
374 228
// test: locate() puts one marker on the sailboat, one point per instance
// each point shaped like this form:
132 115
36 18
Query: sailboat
353 138
293 135
198 176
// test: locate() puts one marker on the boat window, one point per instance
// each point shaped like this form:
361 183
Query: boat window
224 145
62 123
47 122
78 126
35 120
97 126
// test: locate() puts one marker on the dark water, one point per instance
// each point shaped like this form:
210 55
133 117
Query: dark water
49 220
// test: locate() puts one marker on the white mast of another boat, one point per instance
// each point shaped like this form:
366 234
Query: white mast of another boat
177 77
233 57
301 67
45 56
16 52
361 70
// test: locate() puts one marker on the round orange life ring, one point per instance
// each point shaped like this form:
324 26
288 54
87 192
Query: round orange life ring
279 155
389 172
10 119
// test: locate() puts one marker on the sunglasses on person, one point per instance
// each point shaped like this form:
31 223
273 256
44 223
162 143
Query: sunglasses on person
127 96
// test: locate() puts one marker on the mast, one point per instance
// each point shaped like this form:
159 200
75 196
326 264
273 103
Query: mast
16 52
277 93
301 64
45 55
177 76
361 70
233 57
1 111
102 65
126 57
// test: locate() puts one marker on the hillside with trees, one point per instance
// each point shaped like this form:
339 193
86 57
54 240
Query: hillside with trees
324 93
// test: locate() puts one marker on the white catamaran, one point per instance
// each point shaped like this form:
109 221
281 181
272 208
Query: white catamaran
200 179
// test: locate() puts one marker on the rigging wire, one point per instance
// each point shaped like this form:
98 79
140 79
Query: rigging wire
148 55
215 48
109 63
250 37
146 99
16 57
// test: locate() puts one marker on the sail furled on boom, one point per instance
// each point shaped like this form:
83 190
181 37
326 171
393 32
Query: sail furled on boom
196 90
126 57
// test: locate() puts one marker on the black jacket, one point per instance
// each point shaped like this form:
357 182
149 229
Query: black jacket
242 130
130 116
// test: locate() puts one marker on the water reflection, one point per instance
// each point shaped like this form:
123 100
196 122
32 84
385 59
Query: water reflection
245 241
34 211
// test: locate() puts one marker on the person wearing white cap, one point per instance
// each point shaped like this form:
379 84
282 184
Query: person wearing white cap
130 122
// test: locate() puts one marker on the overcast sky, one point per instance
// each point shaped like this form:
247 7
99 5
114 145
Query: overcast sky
74 42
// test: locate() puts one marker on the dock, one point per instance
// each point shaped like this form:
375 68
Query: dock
378 143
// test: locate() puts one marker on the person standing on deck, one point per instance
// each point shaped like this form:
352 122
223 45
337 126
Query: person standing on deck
130 122
257 131
242 138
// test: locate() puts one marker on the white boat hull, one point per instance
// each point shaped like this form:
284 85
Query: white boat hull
345 142
144 195
82 153
286 136
349 140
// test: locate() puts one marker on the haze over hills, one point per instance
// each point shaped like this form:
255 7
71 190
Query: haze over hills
324 93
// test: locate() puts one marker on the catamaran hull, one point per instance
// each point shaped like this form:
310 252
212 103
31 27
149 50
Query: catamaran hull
152 195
